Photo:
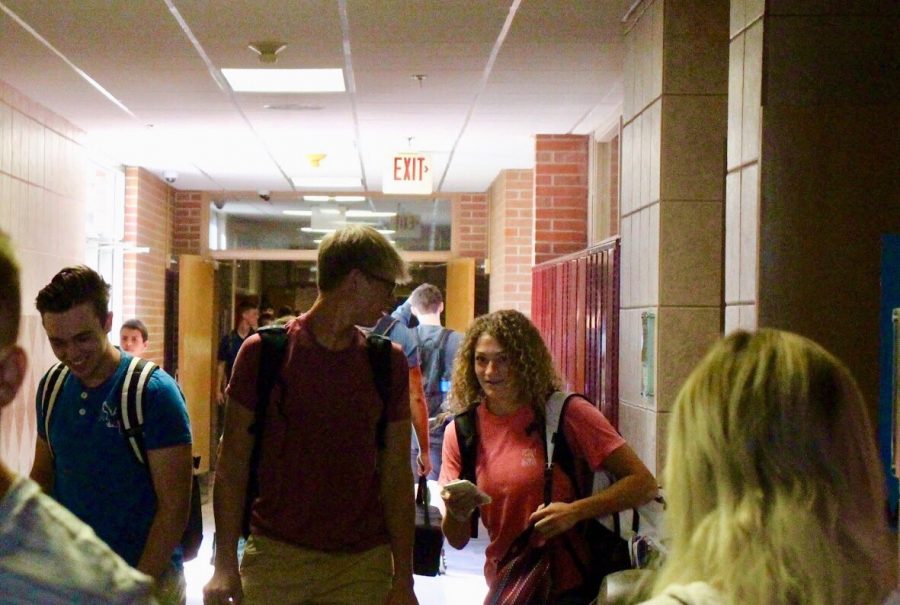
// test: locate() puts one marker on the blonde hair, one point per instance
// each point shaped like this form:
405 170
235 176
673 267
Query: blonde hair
531 365
774 488
358 247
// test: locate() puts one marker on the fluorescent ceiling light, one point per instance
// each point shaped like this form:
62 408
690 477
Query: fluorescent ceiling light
346 199
369 214
285 80
328 210
326 181
332 230
315 230
298 212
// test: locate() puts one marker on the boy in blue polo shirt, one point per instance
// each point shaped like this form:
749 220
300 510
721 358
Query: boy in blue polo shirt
85 460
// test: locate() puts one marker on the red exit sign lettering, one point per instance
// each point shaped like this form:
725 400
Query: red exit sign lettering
408 173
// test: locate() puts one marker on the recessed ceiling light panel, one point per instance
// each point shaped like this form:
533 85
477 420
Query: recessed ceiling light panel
285 80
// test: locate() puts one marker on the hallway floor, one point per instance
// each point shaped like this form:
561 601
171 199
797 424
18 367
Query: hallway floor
463 584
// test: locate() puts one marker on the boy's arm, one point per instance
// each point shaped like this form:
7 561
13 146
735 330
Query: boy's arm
171 469
42 469
399 508
229 494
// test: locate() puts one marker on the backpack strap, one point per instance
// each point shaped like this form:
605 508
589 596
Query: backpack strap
553 415
379 351
384 325
442 353
134 386
556 440
48 392
273 342
467 440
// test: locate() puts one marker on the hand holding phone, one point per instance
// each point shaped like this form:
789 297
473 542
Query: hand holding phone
461 497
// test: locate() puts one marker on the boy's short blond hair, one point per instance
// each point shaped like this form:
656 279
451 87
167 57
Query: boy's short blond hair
358 247
10 295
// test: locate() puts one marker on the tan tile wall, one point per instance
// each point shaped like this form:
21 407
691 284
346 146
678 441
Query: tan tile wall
43 187
828 177
745 63
673 191
511 219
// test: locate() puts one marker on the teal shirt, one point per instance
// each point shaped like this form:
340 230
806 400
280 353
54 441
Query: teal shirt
96 475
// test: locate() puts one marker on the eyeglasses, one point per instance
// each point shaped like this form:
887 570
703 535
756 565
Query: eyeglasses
382 280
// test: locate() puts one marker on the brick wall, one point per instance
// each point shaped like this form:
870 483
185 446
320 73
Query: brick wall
148 217
511 240
560 195
470 233
190 230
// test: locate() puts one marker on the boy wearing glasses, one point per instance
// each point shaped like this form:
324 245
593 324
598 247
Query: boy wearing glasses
335 515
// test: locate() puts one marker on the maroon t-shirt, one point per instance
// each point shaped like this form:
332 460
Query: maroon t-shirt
318 485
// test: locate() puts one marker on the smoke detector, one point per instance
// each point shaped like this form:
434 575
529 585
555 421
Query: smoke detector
315 159
267 50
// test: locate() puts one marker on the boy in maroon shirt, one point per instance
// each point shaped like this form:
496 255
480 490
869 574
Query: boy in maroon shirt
334 520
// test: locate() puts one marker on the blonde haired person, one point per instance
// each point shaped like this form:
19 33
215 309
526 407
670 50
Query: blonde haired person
504 375
334 520
773 484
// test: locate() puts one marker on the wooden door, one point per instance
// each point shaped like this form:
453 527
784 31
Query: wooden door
196 347
459 302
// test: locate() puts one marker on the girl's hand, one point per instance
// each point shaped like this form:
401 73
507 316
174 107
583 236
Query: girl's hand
554 519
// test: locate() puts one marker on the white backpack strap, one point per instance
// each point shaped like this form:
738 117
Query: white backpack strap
553 412
51 385
131 406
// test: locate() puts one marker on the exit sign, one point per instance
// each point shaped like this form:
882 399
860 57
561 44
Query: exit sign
408 173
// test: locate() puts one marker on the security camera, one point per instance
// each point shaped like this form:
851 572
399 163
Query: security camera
219 203
171 176
264 195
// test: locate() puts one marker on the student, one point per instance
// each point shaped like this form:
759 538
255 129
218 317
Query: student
133 337
85 460
504 375
774 489
47 555
228 349
231 344
392 326
334 519
437 348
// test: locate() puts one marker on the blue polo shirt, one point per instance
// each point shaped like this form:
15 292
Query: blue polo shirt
96 475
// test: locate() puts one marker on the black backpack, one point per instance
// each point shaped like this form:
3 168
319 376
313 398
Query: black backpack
432 359
273 340
132 393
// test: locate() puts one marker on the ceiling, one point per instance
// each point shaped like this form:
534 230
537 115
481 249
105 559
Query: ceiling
496 72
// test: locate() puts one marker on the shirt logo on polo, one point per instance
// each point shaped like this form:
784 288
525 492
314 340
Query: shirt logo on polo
109 415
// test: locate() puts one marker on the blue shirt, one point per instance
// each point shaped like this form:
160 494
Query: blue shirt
228 350
96 475
394 327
